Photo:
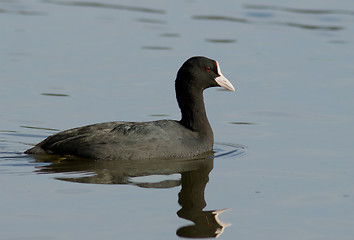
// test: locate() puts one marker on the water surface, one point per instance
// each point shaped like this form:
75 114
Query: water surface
283 162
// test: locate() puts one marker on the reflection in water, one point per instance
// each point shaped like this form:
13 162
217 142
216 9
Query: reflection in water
194 177
191 199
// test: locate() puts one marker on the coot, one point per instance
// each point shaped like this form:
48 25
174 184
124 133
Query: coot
187 138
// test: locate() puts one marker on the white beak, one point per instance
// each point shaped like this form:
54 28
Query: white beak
222 81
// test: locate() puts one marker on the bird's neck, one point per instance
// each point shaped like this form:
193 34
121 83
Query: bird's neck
193 112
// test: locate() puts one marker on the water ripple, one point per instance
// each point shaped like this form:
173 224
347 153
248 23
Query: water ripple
298 10
220 18
229 150
312 27
279 23
106 5
220 40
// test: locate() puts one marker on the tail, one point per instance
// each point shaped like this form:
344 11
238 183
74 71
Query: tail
35 150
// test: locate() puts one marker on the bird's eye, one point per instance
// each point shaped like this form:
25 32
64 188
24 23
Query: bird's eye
208 69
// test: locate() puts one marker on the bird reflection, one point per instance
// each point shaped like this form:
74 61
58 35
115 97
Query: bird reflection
194 177
191 199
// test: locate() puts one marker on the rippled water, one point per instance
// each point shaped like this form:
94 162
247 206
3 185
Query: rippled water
282 167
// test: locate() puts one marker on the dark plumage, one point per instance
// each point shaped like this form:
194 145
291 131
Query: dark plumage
187 138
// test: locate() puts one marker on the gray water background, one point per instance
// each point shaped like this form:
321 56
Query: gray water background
65 64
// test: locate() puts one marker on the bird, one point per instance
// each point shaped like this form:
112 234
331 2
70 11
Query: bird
189 137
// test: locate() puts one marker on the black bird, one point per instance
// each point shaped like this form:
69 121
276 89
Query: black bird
187 138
